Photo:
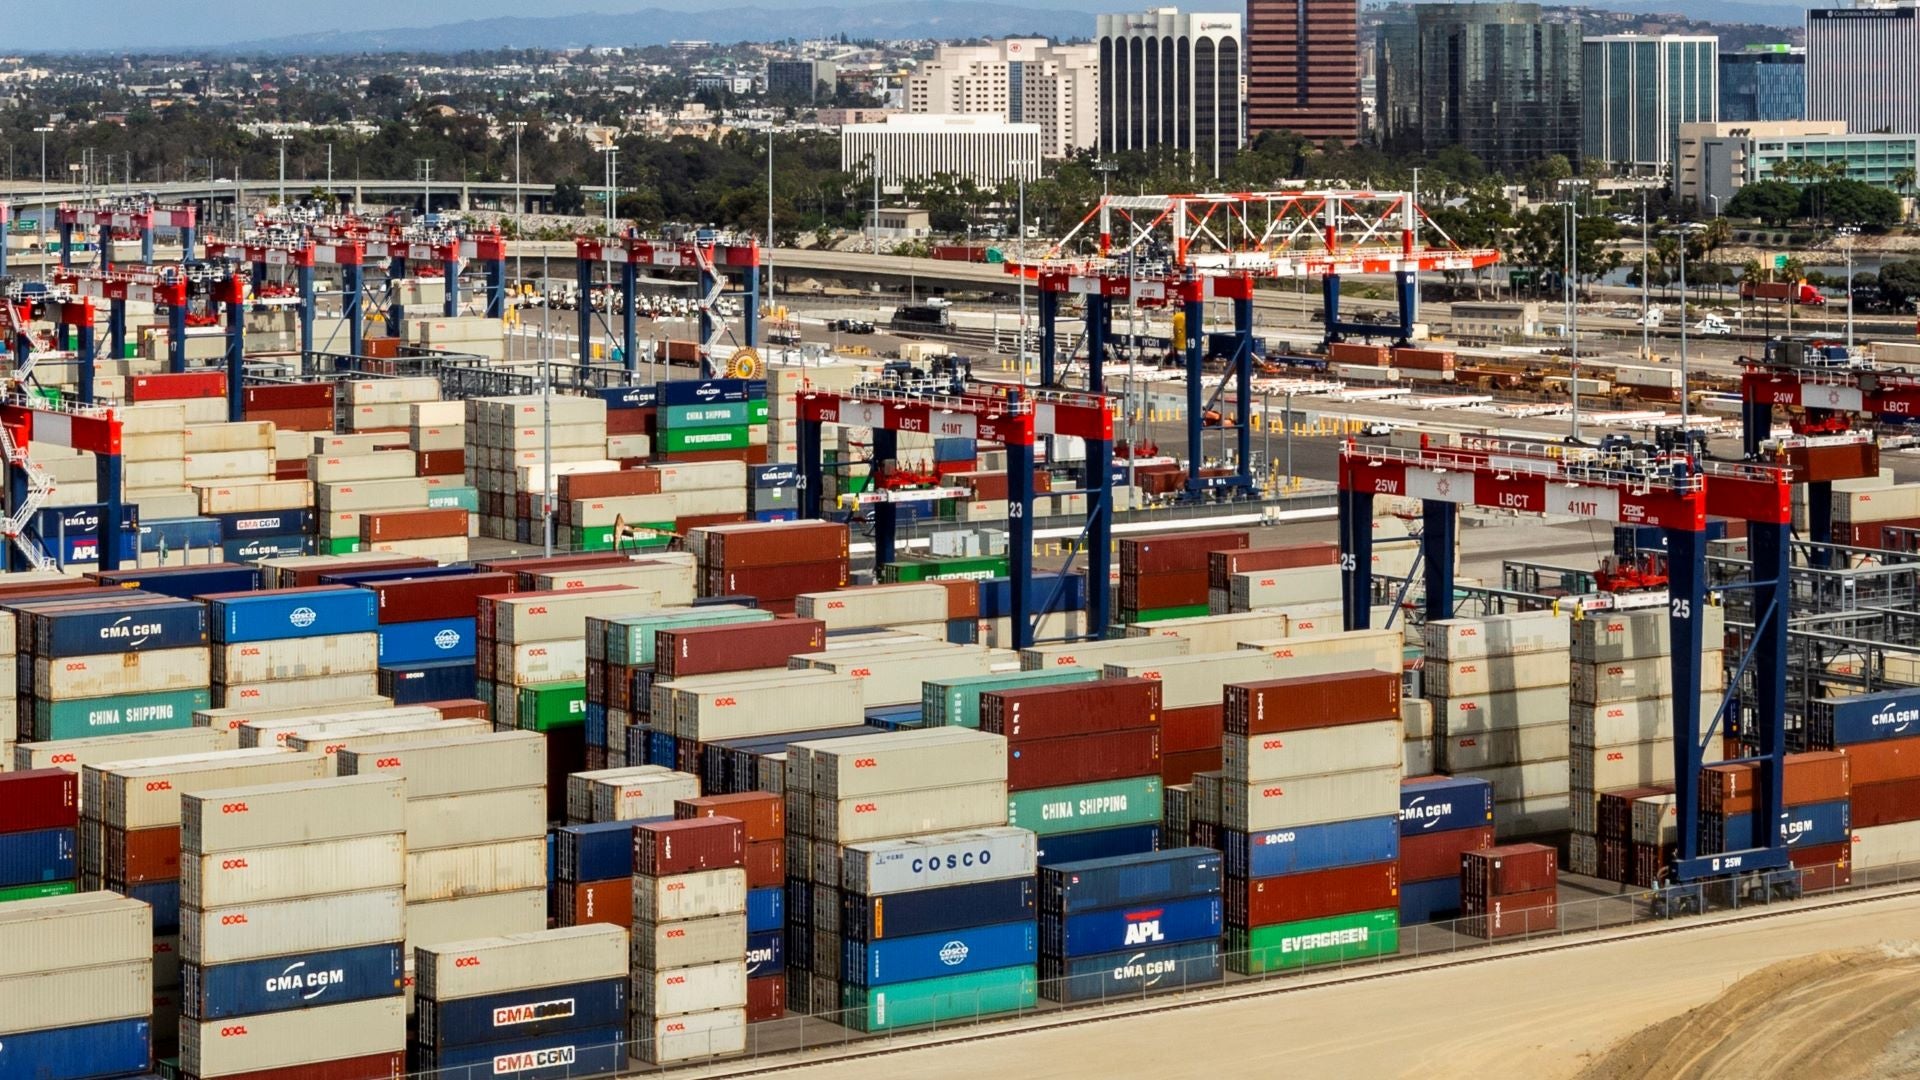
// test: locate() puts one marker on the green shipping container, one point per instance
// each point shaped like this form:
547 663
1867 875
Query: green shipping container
454 498
1148 615
977 567
757 412
1082 807
710 438
341 545
1313 941
630 638
600 537
125 714
956 702
930 1001
710 414
39 890
547 706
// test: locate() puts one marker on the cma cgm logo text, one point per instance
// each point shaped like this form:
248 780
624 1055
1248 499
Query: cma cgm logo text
532 1059
309 984
1895 717
1426 813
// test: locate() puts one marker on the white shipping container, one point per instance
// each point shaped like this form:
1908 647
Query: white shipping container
340 445
214 1048
115 674
686 942
1249 759
276 726
1628 680
1476 714
1608 636
881 605
580 787
370 495
424 437
1314 800
1877 846
1656 819
247 498
1416 717
636 797
700 475
540 661
71 754
1499 635
689 896
1502 746
561 617
677 991
802 703
674 582
450 873
896 678
1097 654
452 970
346 468
1330 652
275 693
1417 757
1496 674
907 761
86 930
77 996
1213 633
883 867
1283 588
296 658
253 931
905 813
1512 783
147 796
1881 504
292 871
399 733
1623 723
437 414
521 912
231 465
694 1036
1638 765
482 817
302 812
462 763
393 391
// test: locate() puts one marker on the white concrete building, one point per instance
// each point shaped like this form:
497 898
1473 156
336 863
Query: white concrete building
1021 80
1173 78
1860 65
987 149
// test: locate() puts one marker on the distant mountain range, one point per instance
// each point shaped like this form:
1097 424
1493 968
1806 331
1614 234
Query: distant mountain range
657 26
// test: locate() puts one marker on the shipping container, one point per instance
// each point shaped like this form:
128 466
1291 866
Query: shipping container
39 799
688 846
924 862
1131 973
1294 704
1889 714
690 896
716 1033
953 997
762 814
290 613
905 761
146 794
1316 895
301 812
1180 873
686 651
450 873
447 971
932 911
1091 933
1510 914
575 1009
1316 941
1311 800
1452 640
688 942
463 763
1095 655
1087 806
1312 751
1508 870
82 1052
932 956
253 931
1098 844
214 1048
689 990
293 981
76 996
1307 848
944 809
72 754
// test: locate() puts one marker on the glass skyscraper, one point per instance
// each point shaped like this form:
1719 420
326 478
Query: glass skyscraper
1764 83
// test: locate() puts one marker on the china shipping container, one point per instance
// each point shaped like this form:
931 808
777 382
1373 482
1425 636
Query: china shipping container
1085 807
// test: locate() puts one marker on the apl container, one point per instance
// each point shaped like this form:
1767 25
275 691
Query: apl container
296 981
575 1006
1132 926
1130 973
932 956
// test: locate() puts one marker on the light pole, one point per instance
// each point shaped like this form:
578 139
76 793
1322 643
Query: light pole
282 139
1716 204
1847 233
1646 294
1416 242
519 230
766 257
43 130
1020 174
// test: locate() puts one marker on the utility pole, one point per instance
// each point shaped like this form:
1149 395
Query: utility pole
519 231
766 257
1646 297
1021 248
42 216
1685 384
1847 233
1416 243
282 139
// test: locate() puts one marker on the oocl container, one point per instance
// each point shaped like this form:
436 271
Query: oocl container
77 996
690 989
683 1038
301 812
688 942
216 1048
1375 744
253 931
902 813
461 764
690 896
461 969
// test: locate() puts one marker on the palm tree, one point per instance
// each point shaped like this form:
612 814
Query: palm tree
1903 179
1666 251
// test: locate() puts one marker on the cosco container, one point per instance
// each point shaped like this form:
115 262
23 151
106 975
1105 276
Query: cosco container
75 996
217 1048
83 1052
448 971
1182 873
295 981
923 862
293 871
1131 926
687 942
929 1001
291 613
301 812
1130 973
252 931
690 896
1084 807
932 911
932 956
715 1033
1310 847
1316 941
690 989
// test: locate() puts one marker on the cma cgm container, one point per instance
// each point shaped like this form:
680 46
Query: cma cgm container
589 1005
291 981
1134 972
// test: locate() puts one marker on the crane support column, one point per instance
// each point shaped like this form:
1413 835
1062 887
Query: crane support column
1020 538
1686 591
1820 522
1440 522
807 440
236 356
496 270
146 246
396 303
1356 558
629 327
1407 291
451 306
1195 309
1330 302
66 244
259 279
1049 305
1099 327
583 280
106 471
304 275
187 239
85 347
106 245
709 277
886 516
1243 383
17 495
1099 536
353 284
177 337
750 311
1770 552
116 329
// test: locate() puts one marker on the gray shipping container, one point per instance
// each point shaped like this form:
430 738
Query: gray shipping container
686 942
312 720
463 763
884 867
906 813
885 605
252 931
1499 635
1479 713
77 996
148 797
448 971
292 871
300 812
216 1048
1495 674
665 1040
689 896
484 817
447 873
580 787
803 703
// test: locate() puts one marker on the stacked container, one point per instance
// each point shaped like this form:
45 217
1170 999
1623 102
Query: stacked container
1223 566
631 793
1817 791
1635 838
39 826
621 652
1509 891
286 647
774 562
292 917
1321 753
137 663
509 442
1093 745
1880 735
1441 818
1169 577
545 1003
1131 925
763 815
1499 687
428 628
689 967
77 975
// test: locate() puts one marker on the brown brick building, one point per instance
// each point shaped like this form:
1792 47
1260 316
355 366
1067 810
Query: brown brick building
1303 68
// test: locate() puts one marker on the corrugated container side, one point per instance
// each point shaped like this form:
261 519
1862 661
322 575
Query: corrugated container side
57 999
211 1049
448 971
252 931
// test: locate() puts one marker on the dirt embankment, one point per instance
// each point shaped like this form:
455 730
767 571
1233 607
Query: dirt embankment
1849 1015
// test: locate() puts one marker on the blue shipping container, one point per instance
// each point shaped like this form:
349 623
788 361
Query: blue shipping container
1132 972
83 520
1153 923
86 549
996 595
955 450
766 953
425 641
783 475
1098 843
31 858
119 628
1310 847
1445 802
265 523
178 534
935 911
702 391
292 613
1429 901
552 1057
766 909
187 582
438 680
117 1048
522 1014
163 897
628 397
281 983
1804 826
1890 714
932 956
255 548
602 851
1176 874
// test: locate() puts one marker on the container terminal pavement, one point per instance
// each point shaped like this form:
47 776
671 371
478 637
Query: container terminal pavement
389 811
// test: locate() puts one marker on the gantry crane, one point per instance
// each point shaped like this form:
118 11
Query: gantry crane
137 212
710 253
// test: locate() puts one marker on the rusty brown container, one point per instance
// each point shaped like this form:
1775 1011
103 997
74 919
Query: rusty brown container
1311 701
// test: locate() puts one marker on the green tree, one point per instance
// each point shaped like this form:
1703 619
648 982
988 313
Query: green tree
1853 202
568 198
1775 202
1900 281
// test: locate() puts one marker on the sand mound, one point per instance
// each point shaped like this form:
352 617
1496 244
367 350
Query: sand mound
1833 1015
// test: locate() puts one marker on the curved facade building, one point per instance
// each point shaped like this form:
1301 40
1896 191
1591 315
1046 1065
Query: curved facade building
1172 79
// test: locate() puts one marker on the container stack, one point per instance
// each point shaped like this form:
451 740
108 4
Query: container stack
1092 747
242 455
153 451
1441 818
1224 565
1131 925
1310 762
621 653
39 834
763 814
1168 577
292 916
137 663
1509 891
1499 687
628 793
77 975
508 443
955 702
580 496
524 1003
773 561
440 535
288 647
698 417
428 629
1818 791
689 967
1637 829
1880 735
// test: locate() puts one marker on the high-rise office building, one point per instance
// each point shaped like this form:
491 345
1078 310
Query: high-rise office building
801 80
1640 89
1494 79
1171 79
1860 65
1303 67
1021 80
1763 82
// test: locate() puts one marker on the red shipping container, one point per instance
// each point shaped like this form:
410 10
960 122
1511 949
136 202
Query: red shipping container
630 421
421 599
1312 701
1614 812
460 708
315 420
1436 855
1824 866
1616 859
609 485
761 813
1347 352
587 902
287 396
711 650
776 582
1883 803
684 525
766 998
1510 916
39 799
1177 588
684 847
179 386
1813 777
1083 759
1881 762
777 544
1050 712
1176 551
308 576
1646 863
1315 894
390 525
439 462
1222 565
619 686
131 858
767 864
689 457
1179 768
1199 727
963 598
1508 870
371 1067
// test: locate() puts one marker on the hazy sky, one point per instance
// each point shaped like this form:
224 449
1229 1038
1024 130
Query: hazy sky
113 24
